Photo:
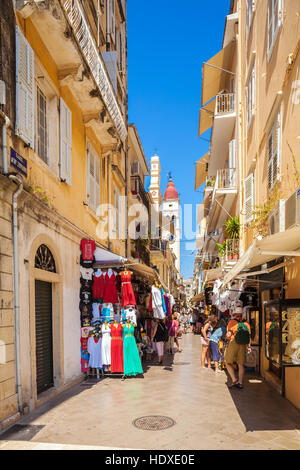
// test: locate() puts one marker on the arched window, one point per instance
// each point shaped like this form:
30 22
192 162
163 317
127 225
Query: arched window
44 259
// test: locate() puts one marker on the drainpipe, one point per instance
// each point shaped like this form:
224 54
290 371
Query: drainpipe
4 144
19 181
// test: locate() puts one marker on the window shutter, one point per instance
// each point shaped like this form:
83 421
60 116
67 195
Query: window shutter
113 21
24 89
232 155
274 145
93 179
123 47
249 197
97 182
65 155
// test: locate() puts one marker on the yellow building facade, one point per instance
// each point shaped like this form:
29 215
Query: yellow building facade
68 140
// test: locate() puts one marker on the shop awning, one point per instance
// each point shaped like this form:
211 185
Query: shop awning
215 73
105 257
269 248
206 117
201 171
197 298
142 269
212 274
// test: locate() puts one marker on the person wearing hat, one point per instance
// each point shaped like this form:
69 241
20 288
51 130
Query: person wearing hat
238 334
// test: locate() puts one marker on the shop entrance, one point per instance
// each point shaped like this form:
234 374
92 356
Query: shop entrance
44 335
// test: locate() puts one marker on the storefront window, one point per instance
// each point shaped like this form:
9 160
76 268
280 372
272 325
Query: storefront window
291 335
254 326
272 333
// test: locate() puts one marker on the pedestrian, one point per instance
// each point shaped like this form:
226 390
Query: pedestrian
193 320
185 322
206 333
239 336
159 337
173 329
214 342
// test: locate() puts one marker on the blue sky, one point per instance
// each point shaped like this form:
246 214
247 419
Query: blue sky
168 41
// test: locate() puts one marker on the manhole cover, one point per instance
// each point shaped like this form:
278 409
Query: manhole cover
153 423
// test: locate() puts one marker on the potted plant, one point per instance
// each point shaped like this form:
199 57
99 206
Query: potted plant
232 228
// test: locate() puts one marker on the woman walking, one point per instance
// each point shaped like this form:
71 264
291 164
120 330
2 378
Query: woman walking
173 329
206 333
159 337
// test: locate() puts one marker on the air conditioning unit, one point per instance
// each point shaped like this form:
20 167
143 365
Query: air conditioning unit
292 210
135 168
277 218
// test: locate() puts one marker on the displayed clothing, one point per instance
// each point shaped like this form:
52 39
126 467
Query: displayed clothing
87 248
117 361
86 273
98 285
157 304
107 312
163 300
85 295
85 309
85 361
95 351
110 295
85 331
96 311
132 361
127 293
249 297
106 344
130 314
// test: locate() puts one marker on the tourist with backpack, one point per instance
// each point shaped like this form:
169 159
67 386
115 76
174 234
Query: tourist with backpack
238 335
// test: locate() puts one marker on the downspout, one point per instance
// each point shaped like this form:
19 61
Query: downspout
19 181
4 144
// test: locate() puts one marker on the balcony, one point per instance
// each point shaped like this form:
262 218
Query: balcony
223 129
231 253
138 190
79 63
222 198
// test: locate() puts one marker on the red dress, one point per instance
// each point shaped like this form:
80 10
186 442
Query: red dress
127 293
117 361
110 290
98 286
87 248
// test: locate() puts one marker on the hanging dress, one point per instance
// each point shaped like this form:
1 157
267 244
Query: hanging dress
95 351
106 345
127 293
117 362
157 304
132 361
98 286
110 289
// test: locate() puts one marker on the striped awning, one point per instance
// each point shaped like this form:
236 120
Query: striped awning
215 76
201 171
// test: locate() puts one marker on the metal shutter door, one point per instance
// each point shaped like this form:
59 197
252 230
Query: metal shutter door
44 336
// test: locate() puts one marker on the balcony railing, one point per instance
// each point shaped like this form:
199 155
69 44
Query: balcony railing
137 189
231 252
225 104
226 178
90 52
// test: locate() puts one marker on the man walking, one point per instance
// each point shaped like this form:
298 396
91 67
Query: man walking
238 334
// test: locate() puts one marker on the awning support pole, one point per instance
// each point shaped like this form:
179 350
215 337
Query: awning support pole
219 68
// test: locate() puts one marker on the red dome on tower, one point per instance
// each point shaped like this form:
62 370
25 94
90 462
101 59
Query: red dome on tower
171 192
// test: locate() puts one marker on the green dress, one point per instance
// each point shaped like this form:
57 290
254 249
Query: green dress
132 362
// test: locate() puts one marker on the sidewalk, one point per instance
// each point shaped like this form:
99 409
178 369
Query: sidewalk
207 414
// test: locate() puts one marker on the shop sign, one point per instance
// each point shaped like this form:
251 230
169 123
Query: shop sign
18 162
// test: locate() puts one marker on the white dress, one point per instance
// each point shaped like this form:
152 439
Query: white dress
106 345
158 311
95 351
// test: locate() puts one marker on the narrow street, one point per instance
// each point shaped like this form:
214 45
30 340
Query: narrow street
207 414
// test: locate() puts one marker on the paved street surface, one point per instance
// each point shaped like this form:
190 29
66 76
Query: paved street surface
207 414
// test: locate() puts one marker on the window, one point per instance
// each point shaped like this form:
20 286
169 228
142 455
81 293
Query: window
42 134
274 22
249 197
274 142
251 96
232 154
93 178
250 10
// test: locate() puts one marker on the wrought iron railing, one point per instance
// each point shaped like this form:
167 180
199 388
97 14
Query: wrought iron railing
232 251
226 178
90 52
137 189
225 103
